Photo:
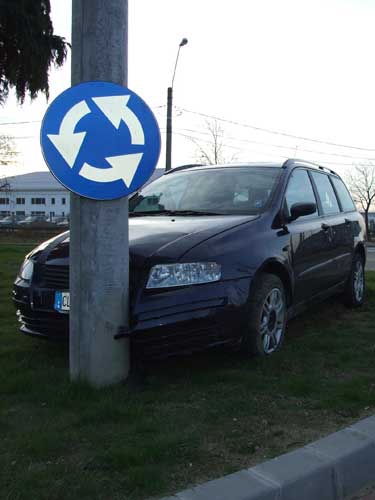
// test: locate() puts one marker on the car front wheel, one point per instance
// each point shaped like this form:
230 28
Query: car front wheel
267 316
354 293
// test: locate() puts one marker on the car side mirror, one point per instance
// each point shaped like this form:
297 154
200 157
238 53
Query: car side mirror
301 209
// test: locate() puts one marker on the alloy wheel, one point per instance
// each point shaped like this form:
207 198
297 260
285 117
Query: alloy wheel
272 320
358 281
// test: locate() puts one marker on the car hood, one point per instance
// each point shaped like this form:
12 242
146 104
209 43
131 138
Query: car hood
164 238
170 238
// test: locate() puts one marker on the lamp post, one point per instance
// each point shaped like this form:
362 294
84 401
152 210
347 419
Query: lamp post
168 156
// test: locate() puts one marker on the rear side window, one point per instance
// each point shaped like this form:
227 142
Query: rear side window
326 194
346 201
299 190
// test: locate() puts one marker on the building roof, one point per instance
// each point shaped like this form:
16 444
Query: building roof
35 181
45 181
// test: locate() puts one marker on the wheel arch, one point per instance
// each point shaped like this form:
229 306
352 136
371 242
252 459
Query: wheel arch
360 249
274 266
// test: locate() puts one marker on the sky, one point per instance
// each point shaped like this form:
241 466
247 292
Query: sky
284 79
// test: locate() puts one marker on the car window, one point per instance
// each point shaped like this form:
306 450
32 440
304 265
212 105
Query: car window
234 190
158 199
346 201
326 193
299 190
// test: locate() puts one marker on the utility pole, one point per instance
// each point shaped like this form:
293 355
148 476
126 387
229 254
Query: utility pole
99 244
168 147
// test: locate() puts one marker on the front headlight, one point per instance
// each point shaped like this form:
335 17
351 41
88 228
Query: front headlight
27 269
193 273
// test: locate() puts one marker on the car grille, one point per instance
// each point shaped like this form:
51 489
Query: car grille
55 277
52 325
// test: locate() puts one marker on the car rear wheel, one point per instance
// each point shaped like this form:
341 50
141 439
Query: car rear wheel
267 316
354 293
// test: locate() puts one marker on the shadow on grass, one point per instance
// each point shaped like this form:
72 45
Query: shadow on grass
196 417
326 328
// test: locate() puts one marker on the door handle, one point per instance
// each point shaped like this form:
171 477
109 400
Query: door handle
325 227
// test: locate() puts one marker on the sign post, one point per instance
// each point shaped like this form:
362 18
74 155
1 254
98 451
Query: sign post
99 272
102 142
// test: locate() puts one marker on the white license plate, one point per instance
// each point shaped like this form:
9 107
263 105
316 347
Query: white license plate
62 301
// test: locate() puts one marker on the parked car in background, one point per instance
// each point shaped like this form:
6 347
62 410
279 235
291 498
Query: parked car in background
64 221
57 218
32 219
218 255
9 220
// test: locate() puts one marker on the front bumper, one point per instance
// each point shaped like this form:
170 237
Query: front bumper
36 314
161 324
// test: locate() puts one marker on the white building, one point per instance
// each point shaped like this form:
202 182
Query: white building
37 193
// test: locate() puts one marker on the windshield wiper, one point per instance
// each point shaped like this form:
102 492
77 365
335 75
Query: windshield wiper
173 212
193 212
151 212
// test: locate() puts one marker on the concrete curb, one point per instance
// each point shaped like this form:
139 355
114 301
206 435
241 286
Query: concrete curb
332 468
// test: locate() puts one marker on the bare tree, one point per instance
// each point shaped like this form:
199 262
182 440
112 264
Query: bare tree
7 150
7 155
4 184
212 151
361 184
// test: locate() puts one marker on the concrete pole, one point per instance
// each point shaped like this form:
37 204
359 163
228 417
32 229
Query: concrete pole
99 246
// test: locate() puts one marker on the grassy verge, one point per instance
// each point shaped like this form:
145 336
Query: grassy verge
195 418
27 235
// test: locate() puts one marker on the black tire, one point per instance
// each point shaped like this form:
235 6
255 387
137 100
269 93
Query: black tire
354 293
266 329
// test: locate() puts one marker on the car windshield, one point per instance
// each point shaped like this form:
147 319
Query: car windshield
212 191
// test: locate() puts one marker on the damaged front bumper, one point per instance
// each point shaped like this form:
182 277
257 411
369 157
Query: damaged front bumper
161 323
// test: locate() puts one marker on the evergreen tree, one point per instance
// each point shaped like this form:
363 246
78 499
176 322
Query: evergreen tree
28 48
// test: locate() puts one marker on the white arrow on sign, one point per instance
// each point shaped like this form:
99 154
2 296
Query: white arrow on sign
66 141
123 167
115 109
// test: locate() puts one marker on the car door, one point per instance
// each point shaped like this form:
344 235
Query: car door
335 227
350 229
310 246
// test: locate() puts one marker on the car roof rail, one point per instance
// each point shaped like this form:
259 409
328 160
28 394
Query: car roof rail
293 161
183 167
327 170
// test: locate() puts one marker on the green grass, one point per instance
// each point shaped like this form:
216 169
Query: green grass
27 235
194 418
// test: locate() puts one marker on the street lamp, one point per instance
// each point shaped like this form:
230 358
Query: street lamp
168 156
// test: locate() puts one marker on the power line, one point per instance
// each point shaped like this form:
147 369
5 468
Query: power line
265 153
280 145
276 132
17 137
39 121
231 147
20 123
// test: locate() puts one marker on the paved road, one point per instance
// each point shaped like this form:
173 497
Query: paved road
370 264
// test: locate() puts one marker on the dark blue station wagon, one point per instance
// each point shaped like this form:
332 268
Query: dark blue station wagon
218 254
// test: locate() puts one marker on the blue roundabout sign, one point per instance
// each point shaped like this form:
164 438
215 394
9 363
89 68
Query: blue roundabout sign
100 140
